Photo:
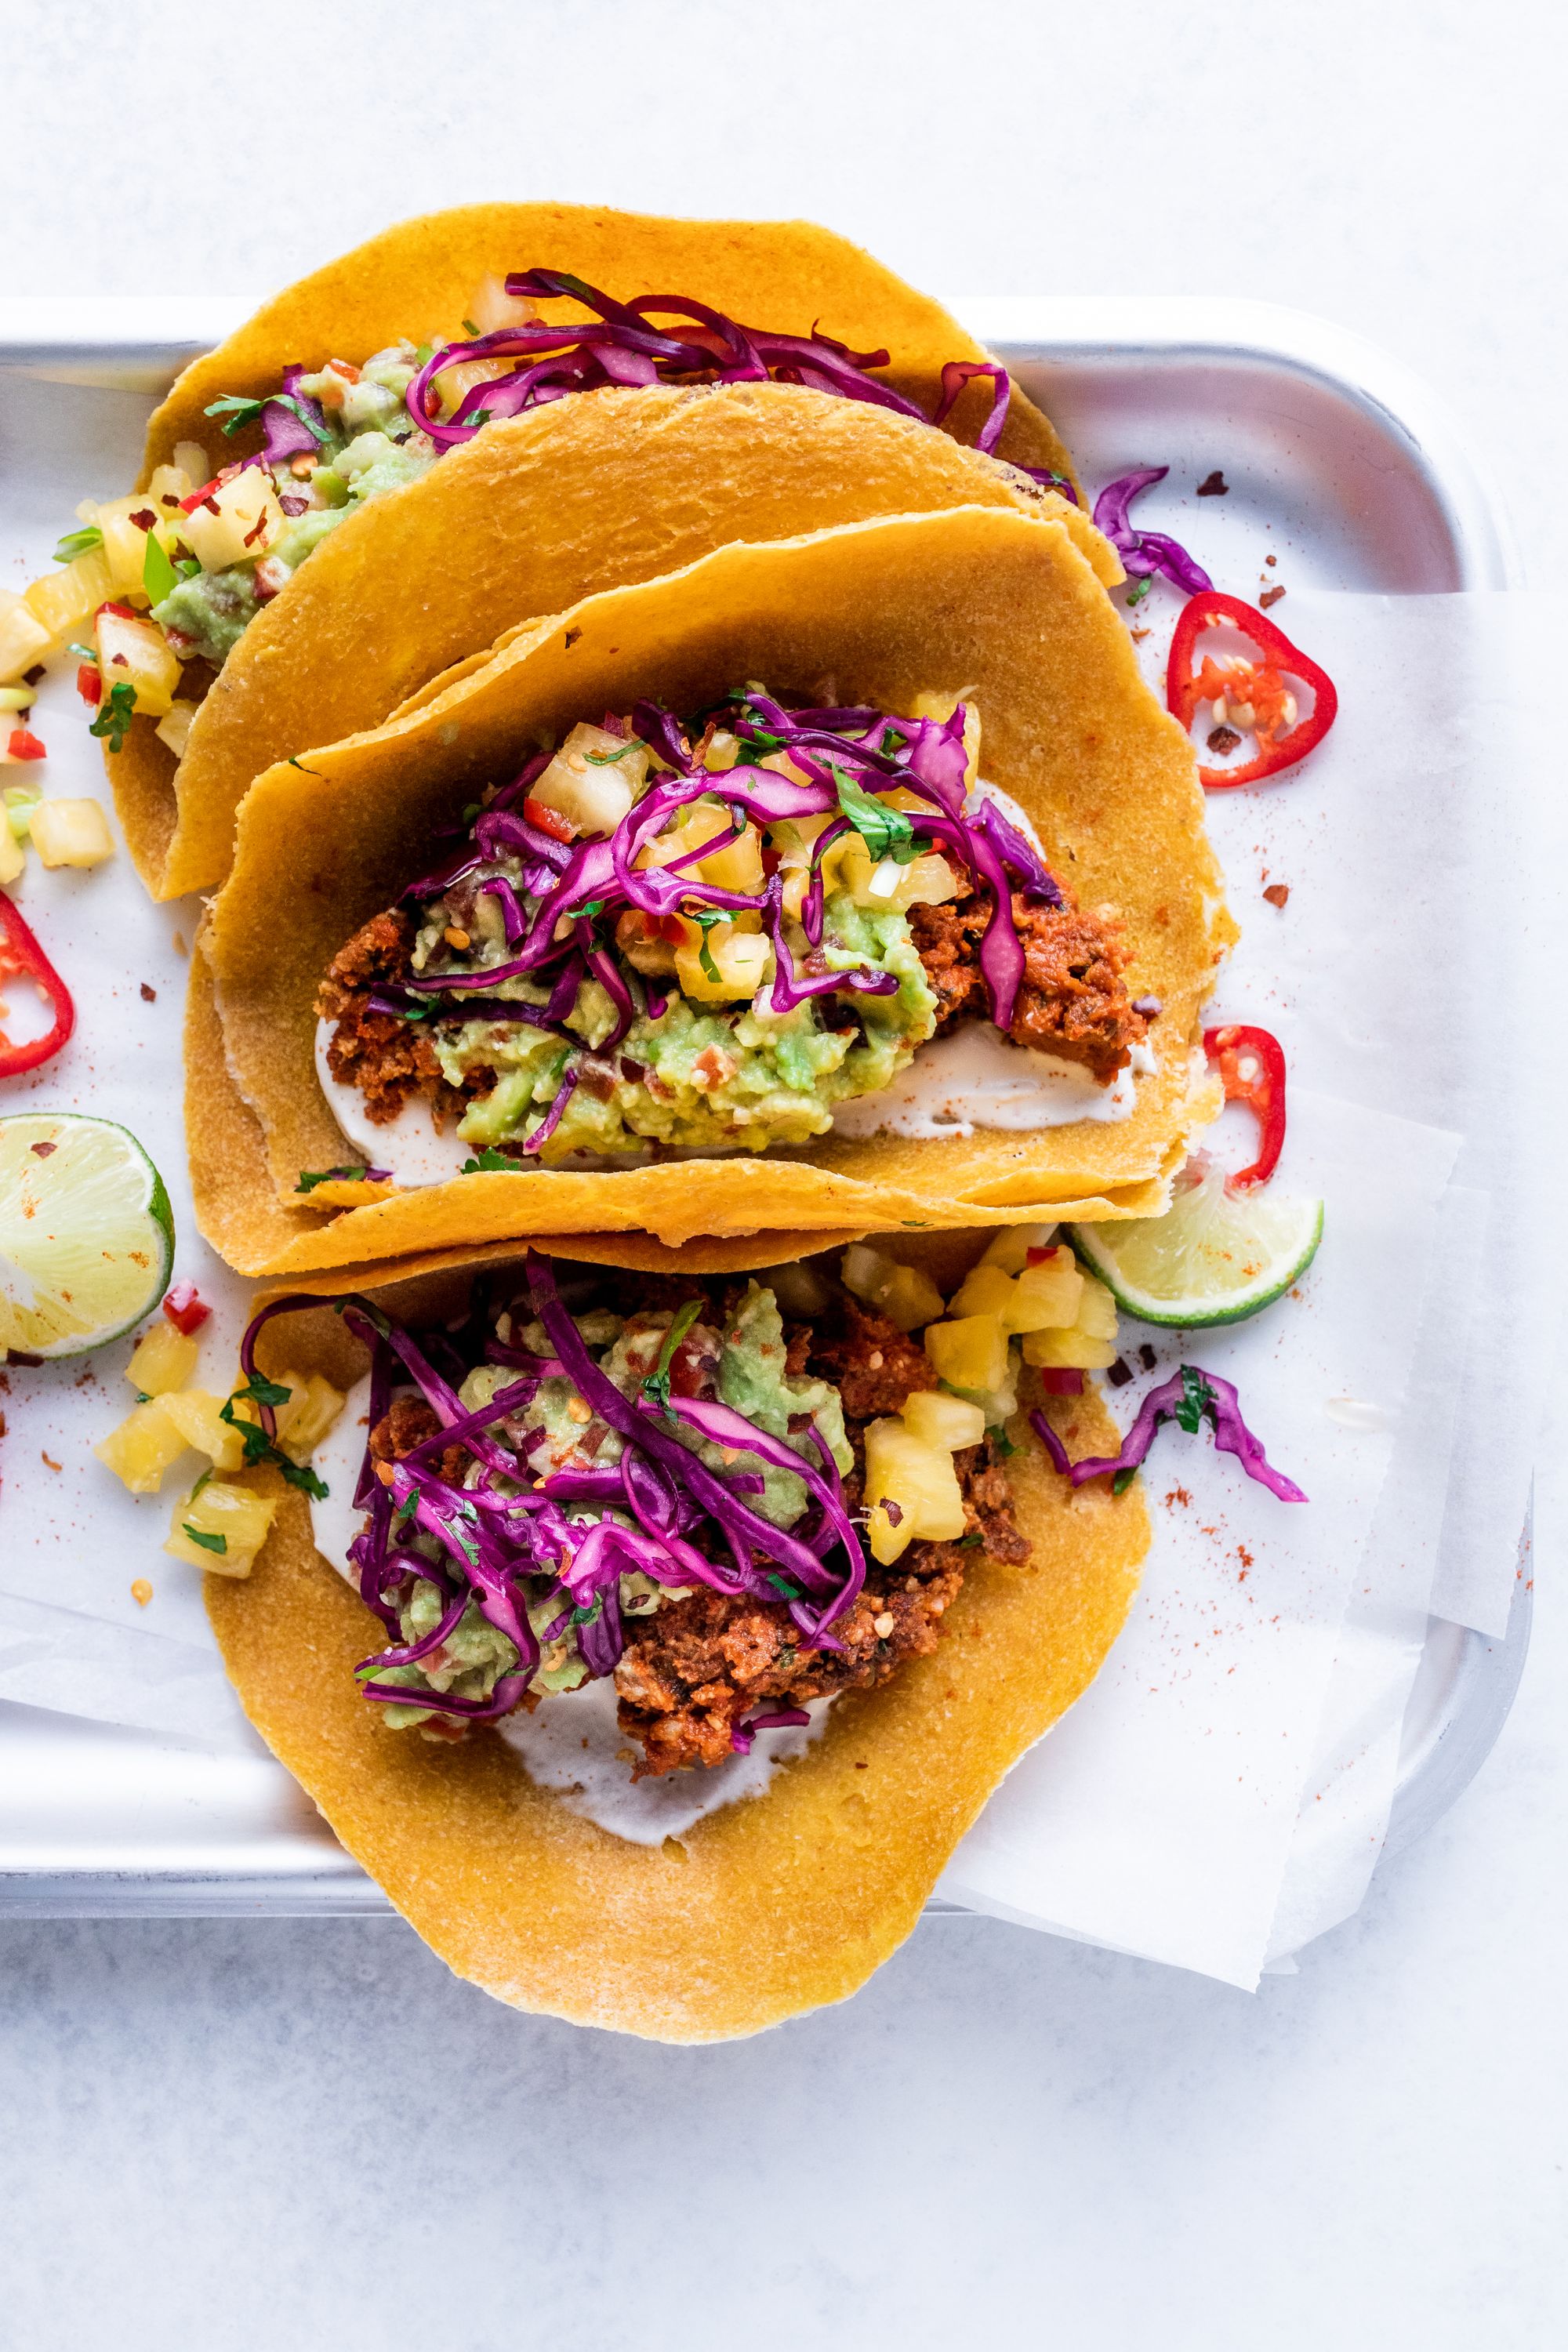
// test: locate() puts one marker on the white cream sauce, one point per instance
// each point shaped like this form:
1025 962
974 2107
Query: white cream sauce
977 1078
572 1742
410 1146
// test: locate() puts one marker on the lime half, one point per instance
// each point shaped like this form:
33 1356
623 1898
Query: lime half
87 1235
1214 1258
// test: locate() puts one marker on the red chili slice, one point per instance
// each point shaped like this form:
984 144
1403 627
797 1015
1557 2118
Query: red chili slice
21 958
1251 1063
1258 689
549 820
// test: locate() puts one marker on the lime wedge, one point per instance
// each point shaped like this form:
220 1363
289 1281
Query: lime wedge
87 1235
1214 1258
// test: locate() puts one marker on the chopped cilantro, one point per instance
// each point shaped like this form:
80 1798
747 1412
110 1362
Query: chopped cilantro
208 1543
79 543
886 832
1196 1398
707 917
236 410
1122 1480
113 721
488 1157
470 328
1139 589
1001 1441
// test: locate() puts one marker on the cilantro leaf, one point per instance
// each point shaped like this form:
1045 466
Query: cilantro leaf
1196 1398
236 410
113 721
208 1543
487 1158
886 832
79 543
655 1387
300 1474
705 916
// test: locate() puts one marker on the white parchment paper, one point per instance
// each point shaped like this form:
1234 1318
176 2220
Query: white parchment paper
1180 1811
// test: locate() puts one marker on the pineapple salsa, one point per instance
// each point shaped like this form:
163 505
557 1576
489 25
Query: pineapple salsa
705 935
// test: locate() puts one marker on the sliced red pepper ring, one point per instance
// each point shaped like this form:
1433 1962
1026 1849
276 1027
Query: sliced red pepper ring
21 958
1251 1065
1251 695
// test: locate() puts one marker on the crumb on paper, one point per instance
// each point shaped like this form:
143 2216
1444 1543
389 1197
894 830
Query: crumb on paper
178 942
1270 596
1146 1356
1213 485
48 1460
1271 561
1277 893
1178 1500
149 995
1139 636
141 1592
1223 740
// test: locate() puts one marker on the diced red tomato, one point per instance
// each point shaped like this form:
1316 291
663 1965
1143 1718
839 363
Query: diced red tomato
25 745
89 684
185 1311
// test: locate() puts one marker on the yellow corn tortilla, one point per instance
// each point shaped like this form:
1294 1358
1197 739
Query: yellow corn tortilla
773 1906
986 599
382 606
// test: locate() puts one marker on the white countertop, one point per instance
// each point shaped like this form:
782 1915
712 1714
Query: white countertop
262 2134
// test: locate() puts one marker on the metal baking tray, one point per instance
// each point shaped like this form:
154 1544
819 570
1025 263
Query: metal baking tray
1336 454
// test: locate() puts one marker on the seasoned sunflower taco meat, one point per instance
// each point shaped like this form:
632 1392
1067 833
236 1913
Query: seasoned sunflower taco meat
678 1619
263 589
716 959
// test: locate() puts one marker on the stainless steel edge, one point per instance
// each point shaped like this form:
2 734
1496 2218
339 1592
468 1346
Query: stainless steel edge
1418 515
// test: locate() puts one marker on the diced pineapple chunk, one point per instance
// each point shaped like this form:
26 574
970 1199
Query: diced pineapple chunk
166 486
947 1421
124 541
12 857
592 780
62 600
1047 1296
313 1406
236 524
174 729
736 859
490 306
986 1290
24 639
195 1414
1097 1310
741 959
908 1298
134 651
71 833
970 1352
220 1528
921 1484
1010 1250
143 1446
884 884
163 1360
1068 1350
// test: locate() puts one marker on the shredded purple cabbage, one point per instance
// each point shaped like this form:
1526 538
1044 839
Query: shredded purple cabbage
1143 553
621 346
573 895
507 1526
1189 1397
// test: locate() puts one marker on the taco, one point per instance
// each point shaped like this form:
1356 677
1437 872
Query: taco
284 443
683 1624
790 885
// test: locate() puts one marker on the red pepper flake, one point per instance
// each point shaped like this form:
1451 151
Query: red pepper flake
1276 893
25 745
149 995
1270 596
1223 740
252 536
202 498
21 958
143 519
89 684
43 1150
185 1309
1213 485
1251 1063
1254 693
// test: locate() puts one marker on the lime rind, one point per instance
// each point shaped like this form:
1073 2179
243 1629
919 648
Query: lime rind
86 1234
1214 1258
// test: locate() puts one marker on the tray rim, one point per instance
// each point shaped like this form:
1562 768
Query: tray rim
134 343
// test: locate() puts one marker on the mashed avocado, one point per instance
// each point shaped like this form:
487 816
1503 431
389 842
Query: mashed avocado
373 446
699 1077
